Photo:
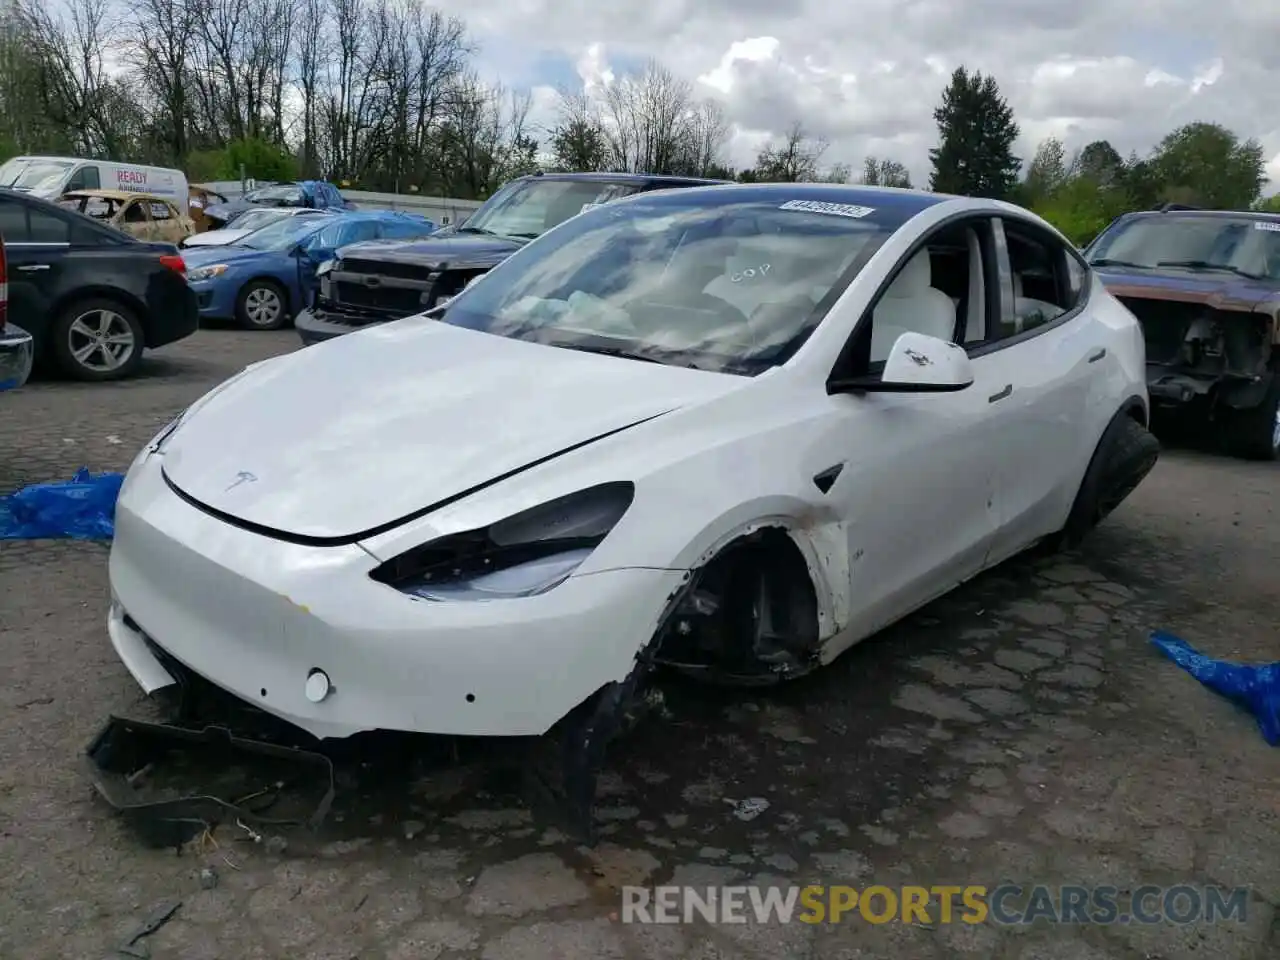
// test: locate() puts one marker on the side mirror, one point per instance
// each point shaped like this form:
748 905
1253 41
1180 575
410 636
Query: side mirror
917 363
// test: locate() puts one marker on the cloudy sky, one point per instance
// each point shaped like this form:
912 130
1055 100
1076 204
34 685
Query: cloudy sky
867 75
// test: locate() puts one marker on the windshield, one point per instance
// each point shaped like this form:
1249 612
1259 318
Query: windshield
280 235
283 195
528 208
1242 245
718 281
35 175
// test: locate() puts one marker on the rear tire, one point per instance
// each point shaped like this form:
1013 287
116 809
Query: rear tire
1123 458
262 305
97 339
1255 434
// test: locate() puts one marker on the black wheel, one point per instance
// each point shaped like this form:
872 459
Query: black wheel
262 305
1255 434
1124 456
97 339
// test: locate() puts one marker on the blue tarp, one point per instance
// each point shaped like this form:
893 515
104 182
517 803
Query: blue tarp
82 508
1254 686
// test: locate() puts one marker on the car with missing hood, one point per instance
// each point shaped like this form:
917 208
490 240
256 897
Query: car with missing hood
379 281
728 431
1205 286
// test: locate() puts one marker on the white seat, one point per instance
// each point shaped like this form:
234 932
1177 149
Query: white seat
911 305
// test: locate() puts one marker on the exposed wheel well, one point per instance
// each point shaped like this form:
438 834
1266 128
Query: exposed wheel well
1137 410
749 615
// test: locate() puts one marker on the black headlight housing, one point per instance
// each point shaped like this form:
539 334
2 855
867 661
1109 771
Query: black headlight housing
521 556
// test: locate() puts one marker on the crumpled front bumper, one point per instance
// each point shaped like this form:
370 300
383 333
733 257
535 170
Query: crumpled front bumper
17 356
316 327
255 617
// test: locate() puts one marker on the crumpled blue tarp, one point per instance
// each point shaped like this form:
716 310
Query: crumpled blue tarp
82 508
1254 686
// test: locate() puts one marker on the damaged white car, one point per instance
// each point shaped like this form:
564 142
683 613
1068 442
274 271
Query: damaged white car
729 430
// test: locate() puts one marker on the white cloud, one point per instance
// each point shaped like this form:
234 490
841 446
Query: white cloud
868 75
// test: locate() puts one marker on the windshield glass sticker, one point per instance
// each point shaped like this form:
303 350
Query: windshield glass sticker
834 209
1271 225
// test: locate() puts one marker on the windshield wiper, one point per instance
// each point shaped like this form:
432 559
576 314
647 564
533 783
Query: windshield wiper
609 351
1107 262
1206 265
480 230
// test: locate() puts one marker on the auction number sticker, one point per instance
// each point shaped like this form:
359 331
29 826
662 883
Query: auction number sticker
834 209
1271 225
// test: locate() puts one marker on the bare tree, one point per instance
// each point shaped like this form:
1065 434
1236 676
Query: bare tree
793 158
72 80
883 172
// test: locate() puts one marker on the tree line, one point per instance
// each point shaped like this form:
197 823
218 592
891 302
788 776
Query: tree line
383 95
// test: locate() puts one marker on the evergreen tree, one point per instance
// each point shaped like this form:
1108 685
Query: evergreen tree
974 156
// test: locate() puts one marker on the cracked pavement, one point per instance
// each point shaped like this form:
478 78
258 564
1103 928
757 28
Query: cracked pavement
1020 729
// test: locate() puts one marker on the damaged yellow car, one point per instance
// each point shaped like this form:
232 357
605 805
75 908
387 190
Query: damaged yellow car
140 215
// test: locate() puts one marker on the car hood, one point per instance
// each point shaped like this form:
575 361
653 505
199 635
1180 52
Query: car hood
354 436
433 252
215 238
1222 291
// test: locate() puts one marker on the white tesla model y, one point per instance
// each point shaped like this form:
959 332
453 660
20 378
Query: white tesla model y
731 430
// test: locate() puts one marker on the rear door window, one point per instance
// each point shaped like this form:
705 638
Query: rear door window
46 227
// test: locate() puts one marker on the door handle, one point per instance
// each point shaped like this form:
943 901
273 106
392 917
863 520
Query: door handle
1098 355
34 266
995 397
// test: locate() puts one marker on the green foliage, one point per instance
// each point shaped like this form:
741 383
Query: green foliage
1207 165
579 145
260 159
977 130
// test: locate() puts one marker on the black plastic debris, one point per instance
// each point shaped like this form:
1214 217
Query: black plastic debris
127 757
133 946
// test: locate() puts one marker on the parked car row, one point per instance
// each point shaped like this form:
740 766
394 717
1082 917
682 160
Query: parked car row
97 278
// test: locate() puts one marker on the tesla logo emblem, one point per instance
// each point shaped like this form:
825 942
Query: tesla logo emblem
920 359
242 477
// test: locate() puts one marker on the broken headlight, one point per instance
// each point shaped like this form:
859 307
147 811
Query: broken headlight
522 556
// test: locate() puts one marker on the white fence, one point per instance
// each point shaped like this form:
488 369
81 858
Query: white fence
436 208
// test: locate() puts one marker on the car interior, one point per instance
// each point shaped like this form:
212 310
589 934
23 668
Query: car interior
941 291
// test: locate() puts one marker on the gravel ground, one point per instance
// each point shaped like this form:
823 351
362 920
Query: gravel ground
1019 730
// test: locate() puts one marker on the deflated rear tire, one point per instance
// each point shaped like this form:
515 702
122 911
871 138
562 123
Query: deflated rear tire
1124 456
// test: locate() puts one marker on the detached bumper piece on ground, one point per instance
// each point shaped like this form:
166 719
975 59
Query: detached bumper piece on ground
215 761
220 761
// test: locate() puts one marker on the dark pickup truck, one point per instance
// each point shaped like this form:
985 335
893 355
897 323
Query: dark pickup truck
1205 286
378 281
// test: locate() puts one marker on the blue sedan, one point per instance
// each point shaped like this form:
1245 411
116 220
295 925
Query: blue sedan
266 277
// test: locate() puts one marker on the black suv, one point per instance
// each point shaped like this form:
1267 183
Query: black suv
92 297
380 280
